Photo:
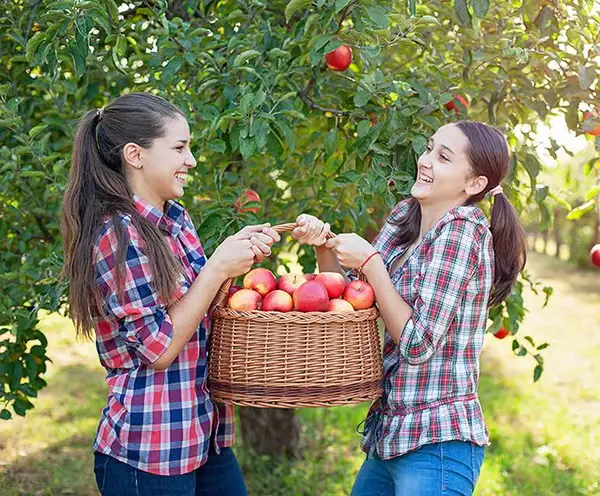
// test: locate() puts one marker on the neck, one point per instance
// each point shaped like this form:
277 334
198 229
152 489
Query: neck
140 189
431 215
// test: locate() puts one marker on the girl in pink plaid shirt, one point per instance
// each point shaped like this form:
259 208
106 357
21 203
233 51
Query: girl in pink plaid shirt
436 267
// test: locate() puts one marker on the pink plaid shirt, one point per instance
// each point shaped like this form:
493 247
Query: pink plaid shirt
431 376
159 421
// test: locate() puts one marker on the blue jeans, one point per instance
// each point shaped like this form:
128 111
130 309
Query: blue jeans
434 469
221 475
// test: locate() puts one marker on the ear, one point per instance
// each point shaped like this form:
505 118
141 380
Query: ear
476 185
132 154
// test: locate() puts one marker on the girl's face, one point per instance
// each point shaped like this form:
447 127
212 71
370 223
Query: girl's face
444 174
159 173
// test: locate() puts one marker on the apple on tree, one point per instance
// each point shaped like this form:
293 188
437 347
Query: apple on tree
451 105
247 196
595 255
339 59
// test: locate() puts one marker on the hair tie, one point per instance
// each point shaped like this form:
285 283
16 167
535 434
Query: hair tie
496 191
99 113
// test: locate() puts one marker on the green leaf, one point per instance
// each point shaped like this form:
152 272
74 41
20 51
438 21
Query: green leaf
541 193
331 141
5 414
589 167
33 44
29 391
462 12
361 97
20 407
419 143
480 7
537 373
287 133
581 210
592 193
113 10
294 6
217 146
363 128
412 7
245 56
247 146
34 131
378 15
587 76
340 4
172 68
543 346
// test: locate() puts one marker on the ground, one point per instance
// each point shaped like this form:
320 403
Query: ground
545 436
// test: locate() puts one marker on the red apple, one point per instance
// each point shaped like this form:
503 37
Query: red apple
244 299
359 294
501 333
595 130
451 105
310 277
339 59
247 196
290 282
595 255
334 282
311 297
260 280
277 301
339 305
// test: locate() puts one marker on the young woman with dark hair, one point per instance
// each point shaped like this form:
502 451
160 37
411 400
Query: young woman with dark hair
436 267
141 285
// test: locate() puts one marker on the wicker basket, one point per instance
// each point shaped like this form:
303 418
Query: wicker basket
292 360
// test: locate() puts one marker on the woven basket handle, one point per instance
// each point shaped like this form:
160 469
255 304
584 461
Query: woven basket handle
223 293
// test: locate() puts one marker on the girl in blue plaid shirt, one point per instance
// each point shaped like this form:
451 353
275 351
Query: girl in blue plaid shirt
436 267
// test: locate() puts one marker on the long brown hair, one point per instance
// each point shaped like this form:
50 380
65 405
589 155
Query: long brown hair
97 189
488 156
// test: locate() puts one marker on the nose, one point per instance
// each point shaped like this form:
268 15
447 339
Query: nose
190 160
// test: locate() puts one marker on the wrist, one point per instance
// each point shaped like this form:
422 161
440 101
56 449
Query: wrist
370 263
216 269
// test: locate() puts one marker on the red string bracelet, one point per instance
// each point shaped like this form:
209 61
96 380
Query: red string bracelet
367 260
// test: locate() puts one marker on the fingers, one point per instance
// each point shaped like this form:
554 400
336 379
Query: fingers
254 229
331 243
263 247
272 233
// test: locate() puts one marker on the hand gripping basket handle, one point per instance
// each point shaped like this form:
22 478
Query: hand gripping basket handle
222 295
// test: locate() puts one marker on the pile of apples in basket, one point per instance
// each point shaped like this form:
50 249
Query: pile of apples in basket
323 292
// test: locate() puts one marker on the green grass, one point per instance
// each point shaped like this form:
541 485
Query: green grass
545 436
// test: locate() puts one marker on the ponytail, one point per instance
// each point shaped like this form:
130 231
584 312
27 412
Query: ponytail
97 189
510 247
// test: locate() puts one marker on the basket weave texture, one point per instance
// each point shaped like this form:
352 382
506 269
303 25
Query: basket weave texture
294 359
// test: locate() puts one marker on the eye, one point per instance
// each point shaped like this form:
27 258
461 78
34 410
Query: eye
444 157
429 148
179 148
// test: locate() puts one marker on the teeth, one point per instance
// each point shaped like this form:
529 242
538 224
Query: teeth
425 178
181 175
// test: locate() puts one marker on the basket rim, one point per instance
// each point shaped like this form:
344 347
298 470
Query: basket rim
357 315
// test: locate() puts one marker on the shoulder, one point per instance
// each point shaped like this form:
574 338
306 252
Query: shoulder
113 229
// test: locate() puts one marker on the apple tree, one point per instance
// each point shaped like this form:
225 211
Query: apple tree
269 113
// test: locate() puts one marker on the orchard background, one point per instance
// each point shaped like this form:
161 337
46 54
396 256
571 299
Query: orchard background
267 114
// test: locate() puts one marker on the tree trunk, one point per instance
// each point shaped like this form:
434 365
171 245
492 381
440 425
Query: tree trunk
557 231
270 431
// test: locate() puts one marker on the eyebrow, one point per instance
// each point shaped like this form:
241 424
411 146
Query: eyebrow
443 146
181 140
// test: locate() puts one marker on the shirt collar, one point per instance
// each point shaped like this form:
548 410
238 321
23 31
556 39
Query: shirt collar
171 220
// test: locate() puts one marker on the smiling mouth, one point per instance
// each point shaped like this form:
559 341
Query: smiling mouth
182 176
426 179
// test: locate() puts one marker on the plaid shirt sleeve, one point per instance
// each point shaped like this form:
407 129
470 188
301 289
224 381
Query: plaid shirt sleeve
449 264
145 324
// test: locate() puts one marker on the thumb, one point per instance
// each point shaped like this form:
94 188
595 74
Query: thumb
331 243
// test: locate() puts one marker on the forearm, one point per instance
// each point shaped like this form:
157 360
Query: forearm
187 313
327 260
394 310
